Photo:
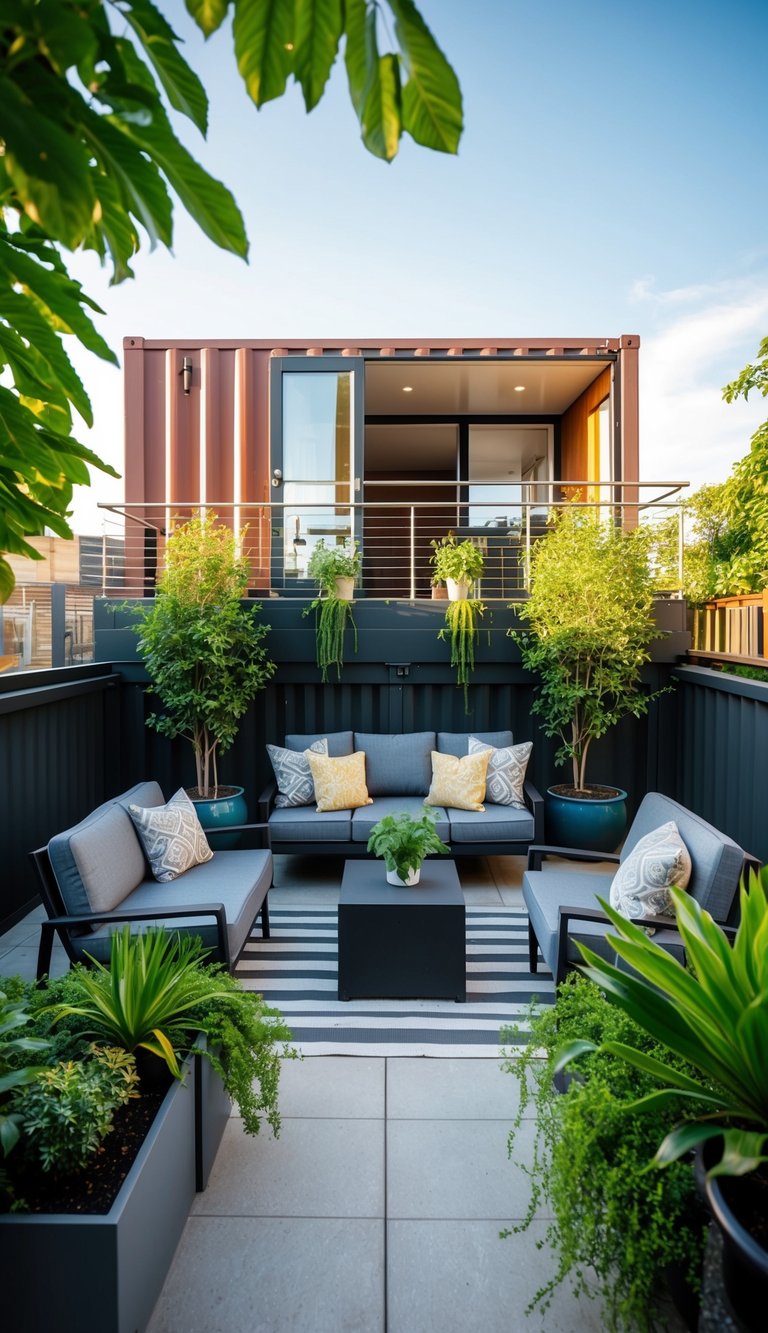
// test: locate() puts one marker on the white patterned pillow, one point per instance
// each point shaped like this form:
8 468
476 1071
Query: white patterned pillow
506 771
171 835
640 887
292 774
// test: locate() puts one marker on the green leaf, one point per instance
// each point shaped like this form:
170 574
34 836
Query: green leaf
208 14
140 184
48 168
59 294
361 54
432 106
571 1050
318 28
381 123
183 87
264 42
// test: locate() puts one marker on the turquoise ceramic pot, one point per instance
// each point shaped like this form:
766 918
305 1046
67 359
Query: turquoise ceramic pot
597 824
219 814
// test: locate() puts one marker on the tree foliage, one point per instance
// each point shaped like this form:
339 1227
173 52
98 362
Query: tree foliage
89 160
589 623
202 648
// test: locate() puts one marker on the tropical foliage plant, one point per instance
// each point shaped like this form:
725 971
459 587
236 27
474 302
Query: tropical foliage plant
89 159
615 1229
15 1073
589 624
203 649
462 629
157 994
329 563
714 1016
403 842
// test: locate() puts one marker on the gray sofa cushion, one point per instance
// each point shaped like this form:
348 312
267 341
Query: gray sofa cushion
544 891
99 861
238 879
364 819
303 824
339 742
716 860
397 765
497 823
457 742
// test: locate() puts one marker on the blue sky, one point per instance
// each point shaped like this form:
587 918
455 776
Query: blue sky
611 179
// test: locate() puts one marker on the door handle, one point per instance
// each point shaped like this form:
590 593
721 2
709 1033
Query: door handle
277 476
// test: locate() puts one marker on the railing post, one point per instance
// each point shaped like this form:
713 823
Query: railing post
413 553
680 548
58 624
527 546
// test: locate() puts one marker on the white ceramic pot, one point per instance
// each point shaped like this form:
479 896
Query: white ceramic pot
457 592
345 588
394 878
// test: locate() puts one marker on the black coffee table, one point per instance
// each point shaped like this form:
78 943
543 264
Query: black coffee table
402 943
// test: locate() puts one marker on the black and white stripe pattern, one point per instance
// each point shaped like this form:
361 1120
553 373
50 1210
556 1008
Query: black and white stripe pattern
296 971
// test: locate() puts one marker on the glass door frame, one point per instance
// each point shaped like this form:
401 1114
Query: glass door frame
312 365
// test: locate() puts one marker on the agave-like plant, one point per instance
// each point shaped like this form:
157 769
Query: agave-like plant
715 1016
143 997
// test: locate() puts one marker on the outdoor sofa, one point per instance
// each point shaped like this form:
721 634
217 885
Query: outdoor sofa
95 877
398 771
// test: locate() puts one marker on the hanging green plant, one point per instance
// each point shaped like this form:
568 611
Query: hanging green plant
461 624
332 614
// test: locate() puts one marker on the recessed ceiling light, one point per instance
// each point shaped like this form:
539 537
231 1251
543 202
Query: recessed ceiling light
519 388
407 388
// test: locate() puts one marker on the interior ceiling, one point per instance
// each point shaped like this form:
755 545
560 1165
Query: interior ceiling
476 387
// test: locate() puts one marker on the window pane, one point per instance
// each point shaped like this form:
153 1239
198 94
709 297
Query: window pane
317 464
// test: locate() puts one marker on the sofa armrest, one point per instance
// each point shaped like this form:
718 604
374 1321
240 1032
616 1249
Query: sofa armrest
63 923
535 802
538 852
266 802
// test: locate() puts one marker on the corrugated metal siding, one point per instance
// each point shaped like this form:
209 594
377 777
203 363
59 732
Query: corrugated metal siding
722 727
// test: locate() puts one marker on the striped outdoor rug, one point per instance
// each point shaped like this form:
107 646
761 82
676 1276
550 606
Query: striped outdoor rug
296 971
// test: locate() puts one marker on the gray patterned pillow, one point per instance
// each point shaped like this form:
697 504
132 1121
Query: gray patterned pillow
294 780
506 771
641 885
171 835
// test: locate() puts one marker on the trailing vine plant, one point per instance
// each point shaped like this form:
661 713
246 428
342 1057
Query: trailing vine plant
332 614
461 625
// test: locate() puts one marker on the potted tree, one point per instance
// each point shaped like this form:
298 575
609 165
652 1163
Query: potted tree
108 1155
205 655
334 570
589 625
716 1018
403 843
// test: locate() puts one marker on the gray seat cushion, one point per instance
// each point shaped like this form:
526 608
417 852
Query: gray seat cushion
545 891
716 860
99 861
339 742
239 879
457 742
397 765
304 824
364 819
497 823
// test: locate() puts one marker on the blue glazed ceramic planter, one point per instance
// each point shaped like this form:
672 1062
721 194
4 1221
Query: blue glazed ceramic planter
595 823
221 813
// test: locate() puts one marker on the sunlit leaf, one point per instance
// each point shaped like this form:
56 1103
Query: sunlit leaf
264 44
318 27
183 87
432 104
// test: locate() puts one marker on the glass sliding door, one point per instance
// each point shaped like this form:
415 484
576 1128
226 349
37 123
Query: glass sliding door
316 455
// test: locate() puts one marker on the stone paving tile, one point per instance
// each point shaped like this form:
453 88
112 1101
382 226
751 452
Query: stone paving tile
330 1086
449 1089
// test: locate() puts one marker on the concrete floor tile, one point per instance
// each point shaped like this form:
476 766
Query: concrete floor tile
334 1087
457 1276
512 898
450 1090
507 871
449 1169
276 1275
24 932
317 1168
309 895
482 896
22 962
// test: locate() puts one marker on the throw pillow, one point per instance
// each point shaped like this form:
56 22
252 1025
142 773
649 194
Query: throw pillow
292 774
640 887
458 783
506 771
171 835
339 783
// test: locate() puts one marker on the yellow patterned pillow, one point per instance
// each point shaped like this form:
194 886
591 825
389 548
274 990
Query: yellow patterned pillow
339 782
458 783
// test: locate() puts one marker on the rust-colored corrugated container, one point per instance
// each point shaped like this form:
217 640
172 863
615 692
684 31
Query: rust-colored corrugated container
332 438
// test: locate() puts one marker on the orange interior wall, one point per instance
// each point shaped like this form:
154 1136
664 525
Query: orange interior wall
574 460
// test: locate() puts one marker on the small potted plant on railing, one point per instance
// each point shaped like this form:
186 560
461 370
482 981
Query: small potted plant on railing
457 564
403 842
334 570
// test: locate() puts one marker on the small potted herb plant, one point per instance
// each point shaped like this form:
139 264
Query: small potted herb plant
334 570
457 564
403 842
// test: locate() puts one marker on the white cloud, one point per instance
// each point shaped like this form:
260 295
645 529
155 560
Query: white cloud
687 431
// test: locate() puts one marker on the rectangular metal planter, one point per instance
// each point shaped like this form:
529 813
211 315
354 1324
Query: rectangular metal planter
71 1271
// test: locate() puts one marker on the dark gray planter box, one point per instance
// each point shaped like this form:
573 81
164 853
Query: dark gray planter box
106 1271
